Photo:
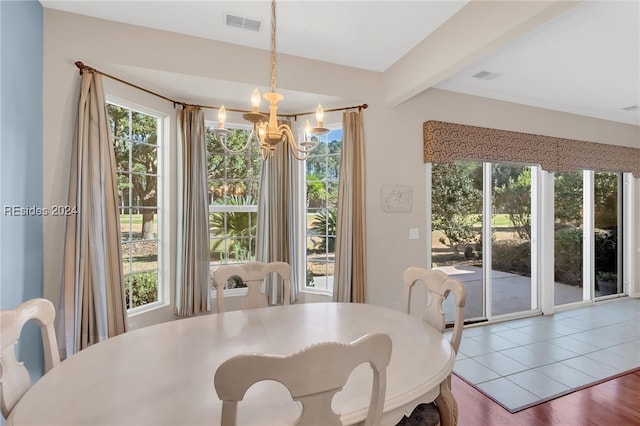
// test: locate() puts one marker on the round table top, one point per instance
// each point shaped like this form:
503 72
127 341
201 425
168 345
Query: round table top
163 374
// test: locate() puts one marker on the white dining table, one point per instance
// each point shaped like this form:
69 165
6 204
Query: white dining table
163 374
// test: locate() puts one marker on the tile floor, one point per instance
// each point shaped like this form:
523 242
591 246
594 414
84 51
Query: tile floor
522 362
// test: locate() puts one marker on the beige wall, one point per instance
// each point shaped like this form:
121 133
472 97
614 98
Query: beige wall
394 156
393 135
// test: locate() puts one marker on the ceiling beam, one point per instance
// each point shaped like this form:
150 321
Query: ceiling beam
478 29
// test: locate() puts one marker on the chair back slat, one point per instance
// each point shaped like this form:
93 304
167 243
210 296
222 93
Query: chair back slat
438 286
312 376
253 275
14 377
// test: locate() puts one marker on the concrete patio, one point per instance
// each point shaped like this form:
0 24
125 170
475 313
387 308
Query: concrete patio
511 293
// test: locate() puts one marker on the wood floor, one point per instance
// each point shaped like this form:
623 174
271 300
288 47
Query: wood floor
615 402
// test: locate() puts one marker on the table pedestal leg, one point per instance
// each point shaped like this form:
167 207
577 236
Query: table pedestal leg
447 405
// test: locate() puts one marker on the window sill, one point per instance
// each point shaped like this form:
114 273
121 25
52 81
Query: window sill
132 313
327 293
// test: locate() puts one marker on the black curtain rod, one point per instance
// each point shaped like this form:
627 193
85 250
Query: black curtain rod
85 68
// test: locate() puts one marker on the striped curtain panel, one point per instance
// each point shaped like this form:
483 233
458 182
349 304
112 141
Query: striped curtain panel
192 268
276 231
350 277
92 299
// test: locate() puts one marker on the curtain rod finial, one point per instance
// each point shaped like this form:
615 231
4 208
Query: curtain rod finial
82 67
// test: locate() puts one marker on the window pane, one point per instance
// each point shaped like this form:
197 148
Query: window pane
456 237
216 166
607 249
135 139
233 180
322 169
511 239
119 121
332 194
569 237
144 256
144 128
139 223
126 258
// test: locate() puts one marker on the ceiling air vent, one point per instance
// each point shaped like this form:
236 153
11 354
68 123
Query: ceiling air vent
241 22
632 108
486 75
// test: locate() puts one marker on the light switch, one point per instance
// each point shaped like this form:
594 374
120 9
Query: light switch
414 233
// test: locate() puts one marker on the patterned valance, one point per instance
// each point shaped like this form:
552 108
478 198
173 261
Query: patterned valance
447 142
575 155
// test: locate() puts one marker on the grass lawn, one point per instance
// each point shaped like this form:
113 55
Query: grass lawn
498 221
501 221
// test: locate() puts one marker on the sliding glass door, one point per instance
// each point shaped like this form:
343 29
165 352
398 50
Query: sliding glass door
568 237
456 237
588 236
482 227
607 214
511 239
484 220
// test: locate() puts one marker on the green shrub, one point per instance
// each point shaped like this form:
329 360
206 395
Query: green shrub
568 256
512 256
609 277
141 288
606 243
310 279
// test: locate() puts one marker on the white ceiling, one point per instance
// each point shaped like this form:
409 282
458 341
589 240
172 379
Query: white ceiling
585 61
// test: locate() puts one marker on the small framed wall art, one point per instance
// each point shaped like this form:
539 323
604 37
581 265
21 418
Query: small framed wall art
396 198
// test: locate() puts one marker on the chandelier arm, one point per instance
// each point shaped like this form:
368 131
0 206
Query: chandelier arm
233 151
283 128
298 152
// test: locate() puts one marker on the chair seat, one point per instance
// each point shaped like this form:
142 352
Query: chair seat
422 415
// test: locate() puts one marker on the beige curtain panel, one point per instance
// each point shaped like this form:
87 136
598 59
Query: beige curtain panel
350 277
92 300
276 231
192 267
448 142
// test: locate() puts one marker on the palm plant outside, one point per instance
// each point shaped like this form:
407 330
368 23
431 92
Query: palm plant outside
240 227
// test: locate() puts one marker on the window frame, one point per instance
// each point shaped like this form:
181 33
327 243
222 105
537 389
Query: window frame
543 267
222 208
162 284
302 268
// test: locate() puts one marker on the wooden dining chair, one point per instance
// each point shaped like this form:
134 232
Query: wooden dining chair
438 286
14 377
253 275
313 376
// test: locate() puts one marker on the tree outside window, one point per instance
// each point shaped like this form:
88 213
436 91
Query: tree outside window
135 142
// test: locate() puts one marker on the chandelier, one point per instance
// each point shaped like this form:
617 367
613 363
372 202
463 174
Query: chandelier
267 132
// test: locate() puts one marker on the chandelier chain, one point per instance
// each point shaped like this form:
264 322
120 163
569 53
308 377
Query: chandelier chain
273 45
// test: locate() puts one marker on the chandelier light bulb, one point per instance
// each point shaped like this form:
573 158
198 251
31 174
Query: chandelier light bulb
255 100
307 129
222 117
319 115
